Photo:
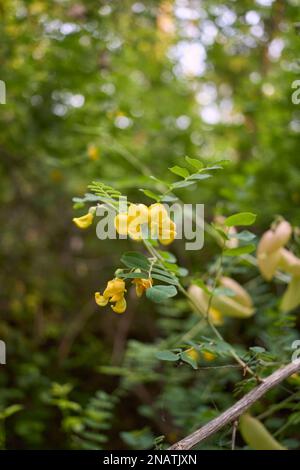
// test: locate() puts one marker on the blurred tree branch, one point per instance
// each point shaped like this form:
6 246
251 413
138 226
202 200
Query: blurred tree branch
232 413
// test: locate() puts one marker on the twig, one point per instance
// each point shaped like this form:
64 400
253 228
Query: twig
234 429
232 413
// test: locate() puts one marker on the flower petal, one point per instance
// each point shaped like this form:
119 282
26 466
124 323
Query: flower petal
84 221
100 299
120 306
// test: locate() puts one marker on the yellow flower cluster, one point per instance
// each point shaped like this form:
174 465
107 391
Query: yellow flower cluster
155 217
195 355
115 291
272 255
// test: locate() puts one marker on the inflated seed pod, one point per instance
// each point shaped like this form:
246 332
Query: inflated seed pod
289 262
229 307
291 297
238 306
269 250
240 294
256 435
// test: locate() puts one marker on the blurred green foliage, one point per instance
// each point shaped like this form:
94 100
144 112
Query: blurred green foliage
119 91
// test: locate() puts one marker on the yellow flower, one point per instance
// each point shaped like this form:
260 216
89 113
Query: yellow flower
216 316
93 152
120 306
84 221
141 285
121 223
137 216
155 217
130 222
114 293
208 356
158 214
193 354
161 226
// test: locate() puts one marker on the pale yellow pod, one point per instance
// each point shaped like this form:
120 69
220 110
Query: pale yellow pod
289 262
268 263
256 435
229 307
282 234
266 243
273 240
270 249
199 297
291 297
241 295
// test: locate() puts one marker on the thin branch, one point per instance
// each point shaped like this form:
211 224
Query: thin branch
232 413
234 429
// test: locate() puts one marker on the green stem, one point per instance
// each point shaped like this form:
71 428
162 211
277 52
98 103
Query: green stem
216 332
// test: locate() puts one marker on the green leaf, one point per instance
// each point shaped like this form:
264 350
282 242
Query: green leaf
257 349
242 218
78 205
199 176
189 360
182 184
126 275
182 272
241 250
194 163
10 410
168 198
224 291
151 194
88 197
244 236
167 256
200 283
180 171
212 168
160 293
167 356
134 259
166 279
220 231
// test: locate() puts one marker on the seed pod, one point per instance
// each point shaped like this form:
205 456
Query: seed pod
256 435
229 307
289 263
270 247
291 298
238 306
241 295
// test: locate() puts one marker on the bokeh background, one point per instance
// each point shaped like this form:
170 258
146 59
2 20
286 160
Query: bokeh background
118 91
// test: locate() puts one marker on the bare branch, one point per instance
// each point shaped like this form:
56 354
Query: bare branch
232 413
